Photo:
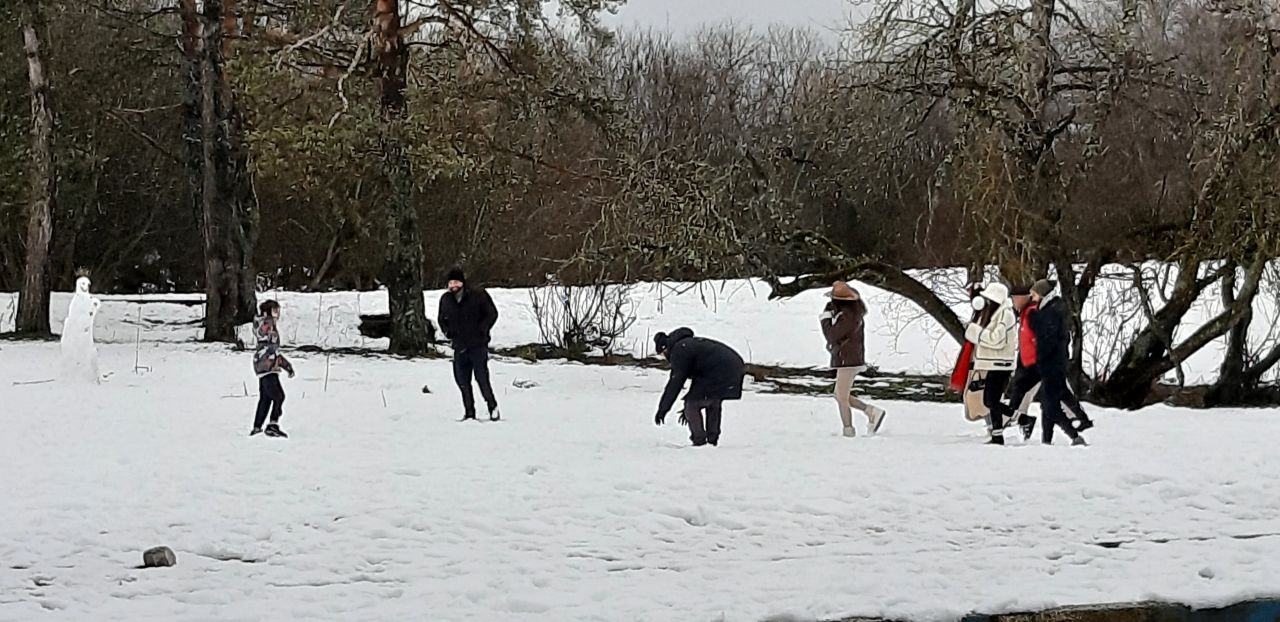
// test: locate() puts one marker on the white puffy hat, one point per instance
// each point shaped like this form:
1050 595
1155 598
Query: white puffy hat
996 292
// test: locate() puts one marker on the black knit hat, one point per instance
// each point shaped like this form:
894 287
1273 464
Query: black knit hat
456 274
660 342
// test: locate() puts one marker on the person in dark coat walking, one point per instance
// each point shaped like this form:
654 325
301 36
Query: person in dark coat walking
716 371
1026 380
467 316
1052 342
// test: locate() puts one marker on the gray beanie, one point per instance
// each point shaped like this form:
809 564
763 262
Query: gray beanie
1044 287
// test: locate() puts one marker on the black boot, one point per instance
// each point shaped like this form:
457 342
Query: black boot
273 430
255 431
1083 423
996 440
1028 425
1078 442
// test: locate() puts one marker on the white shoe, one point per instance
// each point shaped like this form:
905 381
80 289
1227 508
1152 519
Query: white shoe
875 418
849 432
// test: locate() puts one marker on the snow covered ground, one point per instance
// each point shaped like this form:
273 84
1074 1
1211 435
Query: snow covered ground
382 506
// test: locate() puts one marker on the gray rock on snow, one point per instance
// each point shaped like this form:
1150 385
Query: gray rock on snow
158 557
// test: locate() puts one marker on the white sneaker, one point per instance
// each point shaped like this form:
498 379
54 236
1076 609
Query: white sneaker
875 418
849 432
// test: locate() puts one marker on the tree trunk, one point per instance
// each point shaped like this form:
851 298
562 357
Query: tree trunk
330 257
218 168
33 300
230 29
1076 292
1230 384
1129 384
1239 381
73 224
1151 354
404 256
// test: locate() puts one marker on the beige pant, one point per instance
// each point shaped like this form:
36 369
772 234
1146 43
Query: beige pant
844 394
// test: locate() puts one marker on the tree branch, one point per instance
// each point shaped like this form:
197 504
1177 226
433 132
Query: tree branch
1223 322
885 276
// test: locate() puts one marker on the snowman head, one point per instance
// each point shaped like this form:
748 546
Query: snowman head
82 285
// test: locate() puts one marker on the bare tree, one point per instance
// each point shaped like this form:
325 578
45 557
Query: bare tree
404 260
1233 212
1018 77
220 183
33 300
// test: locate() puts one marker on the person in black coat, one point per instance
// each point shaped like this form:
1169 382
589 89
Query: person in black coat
716 371
467 315
1053 340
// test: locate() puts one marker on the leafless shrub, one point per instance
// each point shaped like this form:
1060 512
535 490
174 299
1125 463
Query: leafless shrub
579 318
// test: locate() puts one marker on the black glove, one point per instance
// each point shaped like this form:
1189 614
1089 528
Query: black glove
683 421
291 372
660 419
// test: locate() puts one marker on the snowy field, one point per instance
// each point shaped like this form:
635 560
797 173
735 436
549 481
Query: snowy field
381 506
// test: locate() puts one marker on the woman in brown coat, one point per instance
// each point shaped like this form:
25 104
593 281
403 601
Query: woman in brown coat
842 325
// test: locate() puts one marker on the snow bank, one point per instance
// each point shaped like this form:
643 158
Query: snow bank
900 337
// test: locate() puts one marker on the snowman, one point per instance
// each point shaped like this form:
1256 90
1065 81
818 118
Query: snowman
79 354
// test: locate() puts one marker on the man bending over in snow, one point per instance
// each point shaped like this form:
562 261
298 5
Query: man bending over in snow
268 362
716 371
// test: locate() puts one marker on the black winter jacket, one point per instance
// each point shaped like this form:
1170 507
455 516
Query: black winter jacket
467 322
716 370
1053 337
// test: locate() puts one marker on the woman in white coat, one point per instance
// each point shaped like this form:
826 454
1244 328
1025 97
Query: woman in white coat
996 353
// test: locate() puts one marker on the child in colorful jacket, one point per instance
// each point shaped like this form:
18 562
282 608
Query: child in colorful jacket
268 362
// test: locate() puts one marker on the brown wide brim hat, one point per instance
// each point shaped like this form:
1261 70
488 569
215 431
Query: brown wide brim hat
841 290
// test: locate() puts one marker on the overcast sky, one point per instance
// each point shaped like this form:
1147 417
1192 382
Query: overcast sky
681 16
